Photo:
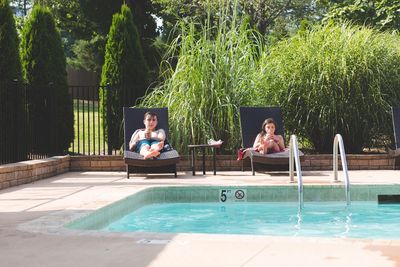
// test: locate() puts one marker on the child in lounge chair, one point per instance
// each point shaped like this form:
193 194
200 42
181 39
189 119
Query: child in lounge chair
267 141
148 141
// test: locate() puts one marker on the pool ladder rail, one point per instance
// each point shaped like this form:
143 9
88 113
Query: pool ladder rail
294 158
338 143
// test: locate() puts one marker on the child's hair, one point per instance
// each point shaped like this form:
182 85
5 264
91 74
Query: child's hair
269 120
150 114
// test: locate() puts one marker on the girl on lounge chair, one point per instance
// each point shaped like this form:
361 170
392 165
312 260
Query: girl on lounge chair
148 142
267 141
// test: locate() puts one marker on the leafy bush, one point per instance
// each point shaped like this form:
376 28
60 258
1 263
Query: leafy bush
124 75
44 68
334 79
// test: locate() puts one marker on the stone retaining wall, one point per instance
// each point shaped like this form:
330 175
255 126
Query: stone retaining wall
30 171
354 162
229 163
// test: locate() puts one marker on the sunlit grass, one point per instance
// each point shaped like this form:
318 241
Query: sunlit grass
88 129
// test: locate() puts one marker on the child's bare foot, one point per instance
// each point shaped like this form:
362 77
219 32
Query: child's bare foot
151 154
159 146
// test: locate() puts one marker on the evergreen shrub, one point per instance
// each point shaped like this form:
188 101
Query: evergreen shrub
124 77
12 112
44 68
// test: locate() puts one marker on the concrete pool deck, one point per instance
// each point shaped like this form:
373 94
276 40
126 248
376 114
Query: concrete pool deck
29 214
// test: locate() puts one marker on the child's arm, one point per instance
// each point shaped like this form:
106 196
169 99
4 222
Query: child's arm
281 142
134 140
160 135
257 142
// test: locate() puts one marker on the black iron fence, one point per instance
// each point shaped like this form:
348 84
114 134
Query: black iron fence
13 123
92 135
17 141
98 123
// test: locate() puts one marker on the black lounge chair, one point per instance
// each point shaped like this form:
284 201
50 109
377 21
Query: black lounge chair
135 163
251 119
396 129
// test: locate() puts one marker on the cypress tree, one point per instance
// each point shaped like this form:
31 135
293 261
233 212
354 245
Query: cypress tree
10 64
44 68
12 119
124 75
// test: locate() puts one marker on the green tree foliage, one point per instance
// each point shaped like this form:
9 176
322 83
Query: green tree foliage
88 54
143 12
334 80
267 16
10 63
382 14
173 11
124 70
11 106
44 68
99 13
84 26
21 7
71 21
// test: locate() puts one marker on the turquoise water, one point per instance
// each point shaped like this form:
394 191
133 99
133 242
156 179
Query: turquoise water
326 219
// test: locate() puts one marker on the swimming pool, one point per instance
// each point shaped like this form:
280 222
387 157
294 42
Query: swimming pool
257 210
332 219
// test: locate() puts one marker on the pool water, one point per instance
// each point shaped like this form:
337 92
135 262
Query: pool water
323 219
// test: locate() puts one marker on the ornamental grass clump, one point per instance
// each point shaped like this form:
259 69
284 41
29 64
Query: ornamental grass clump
205 80
334 79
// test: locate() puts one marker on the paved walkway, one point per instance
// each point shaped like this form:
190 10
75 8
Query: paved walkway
47 202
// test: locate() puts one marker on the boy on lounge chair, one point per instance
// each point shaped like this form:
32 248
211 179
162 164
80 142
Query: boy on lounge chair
148 141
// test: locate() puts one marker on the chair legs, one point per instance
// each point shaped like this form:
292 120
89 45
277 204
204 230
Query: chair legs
171 169
252 167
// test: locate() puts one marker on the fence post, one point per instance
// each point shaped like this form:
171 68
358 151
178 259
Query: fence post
108 116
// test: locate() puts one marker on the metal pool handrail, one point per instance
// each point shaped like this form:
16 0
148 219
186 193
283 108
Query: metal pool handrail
295 158
338 142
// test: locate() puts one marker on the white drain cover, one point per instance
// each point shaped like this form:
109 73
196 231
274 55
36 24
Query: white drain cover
153 241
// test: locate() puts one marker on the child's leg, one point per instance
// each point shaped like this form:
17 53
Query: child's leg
269 146
275 147
147 153
144 150
157 146
262 148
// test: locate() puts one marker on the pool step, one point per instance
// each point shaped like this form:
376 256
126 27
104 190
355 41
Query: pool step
388 199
